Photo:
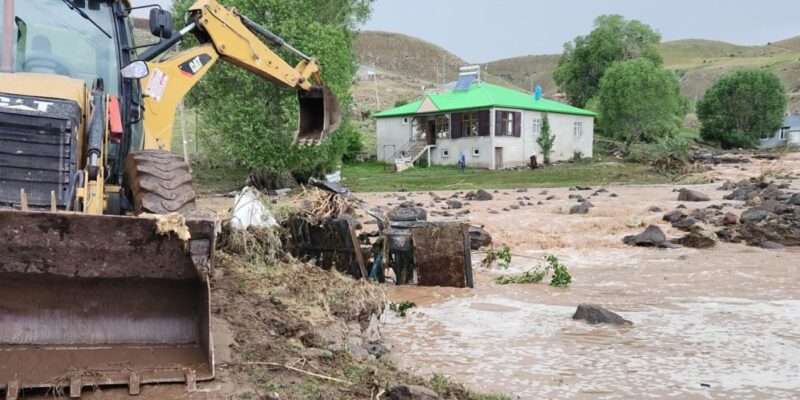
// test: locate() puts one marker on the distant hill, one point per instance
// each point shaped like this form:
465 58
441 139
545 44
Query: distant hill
699 63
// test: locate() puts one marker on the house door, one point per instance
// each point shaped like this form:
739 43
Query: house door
498 158
430 132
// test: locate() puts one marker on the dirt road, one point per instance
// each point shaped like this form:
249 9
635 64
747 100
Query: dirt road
714 323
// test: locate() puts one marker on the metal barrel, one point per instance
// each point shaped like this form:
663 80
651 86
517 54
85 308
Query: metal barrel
90 300
320 115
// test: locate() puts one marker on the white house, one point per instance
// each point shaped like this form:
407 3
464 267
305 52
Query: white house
789 134
493 126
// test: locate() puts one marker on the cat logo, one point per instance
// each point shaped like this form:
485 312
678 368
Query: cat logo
24 105
191 67
195 64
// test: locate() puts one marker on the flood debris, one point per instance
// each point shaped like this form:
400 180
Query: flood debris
595 314
406 249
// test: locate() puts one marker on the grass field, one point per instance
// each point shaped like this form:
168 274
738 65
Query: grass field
370 176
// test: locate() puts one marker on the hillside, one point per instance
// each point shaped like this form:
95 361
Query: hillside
698 62
404 65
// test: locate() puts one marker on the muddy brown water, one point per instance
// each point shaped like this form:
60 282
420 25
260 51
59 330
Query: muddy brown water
715 323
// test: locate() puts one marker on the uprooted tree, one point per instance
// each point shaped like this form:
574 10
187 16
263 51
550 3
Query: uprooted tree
640 100
546 139
249 120
586 59
742 107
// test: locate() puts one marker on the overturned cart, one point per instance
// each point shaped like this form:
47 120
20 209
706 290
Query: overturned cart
98 300
405 252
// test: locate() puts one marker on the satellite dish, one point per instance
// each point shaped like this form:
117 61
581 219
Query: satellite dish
538 93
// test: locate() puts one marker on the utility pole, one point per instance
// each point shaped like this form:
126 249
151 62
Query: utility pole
374 75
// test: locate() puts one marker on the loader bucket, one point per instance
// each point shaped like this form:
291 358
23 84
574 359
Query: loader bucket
320 115
90 300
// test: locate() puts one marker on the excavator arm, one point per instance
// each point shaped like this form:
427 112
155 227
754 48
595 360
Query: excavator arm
225 34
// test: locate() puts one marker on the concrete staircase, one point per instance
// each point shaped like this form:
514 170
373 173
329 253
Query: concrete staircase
410 153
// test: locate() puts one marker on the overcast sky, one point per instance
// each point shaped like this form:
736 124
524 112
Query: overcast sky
481 30
485 30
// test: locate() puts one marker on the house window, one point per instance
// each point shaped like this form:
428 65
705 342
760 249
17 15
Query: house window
783 133
469 126
506 124
405 120
578 130
442 127
476 152
445 153
536 126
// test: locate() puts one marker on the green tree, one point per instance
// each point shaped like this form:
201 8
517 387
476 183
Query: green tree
546 140
640 100
742 107
586 59
252 121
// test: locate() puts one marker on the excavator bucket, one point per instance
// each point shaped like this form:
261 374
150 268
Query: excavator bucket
90 300
320 115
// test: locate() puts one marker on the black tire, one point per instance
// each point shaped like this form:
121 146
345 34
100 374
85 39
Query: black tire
159 182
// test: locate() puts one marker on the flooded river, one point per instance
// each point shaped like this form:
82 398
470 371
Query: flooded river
714 323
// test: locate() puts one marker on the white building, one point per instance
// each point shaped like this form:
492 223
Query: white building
789 134
494 127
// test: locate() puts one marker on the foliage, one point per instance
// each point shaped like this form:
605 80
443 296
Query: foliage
640 100
560 278
400 103
530 276
577 155
546 139
667 146
742 107
504 257
586 59
253 125
401 308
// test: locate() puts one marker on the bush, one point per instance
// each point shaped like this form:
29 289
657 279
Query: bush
742 107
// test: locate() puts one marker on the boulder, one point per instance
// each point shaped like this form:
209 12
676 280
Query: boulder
654 209
795 199
673 216
479 237
685 224
410 392
753 215
770 245
700 237
482 195
581 208
454 204
692 195
729 185
730 219
651 237
594 314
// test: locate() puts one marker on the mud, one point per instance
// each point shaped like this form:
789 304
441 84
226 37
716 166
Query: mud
710 323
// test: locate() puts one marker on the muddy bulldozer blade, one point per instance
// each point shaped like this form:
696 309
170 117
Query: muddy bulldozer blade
102 300
320 115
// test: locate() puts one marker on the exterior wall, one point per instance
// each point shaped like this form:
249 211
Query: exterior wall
792 137
391 131
465 144
516 150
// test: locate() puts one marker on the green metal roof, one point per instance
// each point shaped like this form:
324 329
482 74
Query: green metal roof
484 95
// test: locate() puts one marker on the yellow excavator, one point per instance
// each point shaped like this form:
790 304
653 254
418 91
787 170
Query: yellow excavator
93 291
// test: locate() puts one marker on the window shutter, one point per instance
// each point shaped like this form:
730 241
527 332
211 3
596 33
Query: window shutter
517 124
455 125
498 123
484 117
